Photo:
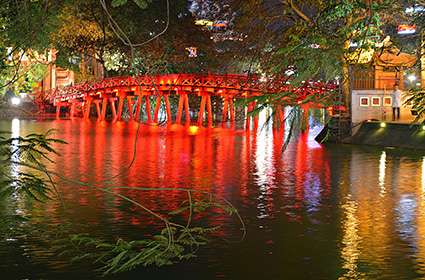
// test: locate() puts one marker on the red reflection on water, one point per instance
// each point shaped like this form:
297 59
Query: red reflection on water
231 164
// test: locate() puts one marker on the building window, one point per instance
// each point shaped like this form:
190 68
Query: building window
387 101
376 101
364 101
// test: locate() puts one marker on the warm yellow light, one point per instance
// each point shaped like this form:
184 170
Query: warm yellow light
383 124
411 78
193 129
203 22
423 127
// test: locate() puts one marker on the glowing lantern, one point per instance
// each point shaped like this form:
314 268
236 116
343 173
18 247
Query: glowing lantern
193 130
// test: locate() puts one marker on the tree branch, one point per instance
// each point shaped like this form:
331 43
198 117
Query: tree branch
298 11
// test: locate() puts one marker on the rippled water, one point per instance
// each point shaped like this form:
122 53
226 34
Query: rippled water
312 212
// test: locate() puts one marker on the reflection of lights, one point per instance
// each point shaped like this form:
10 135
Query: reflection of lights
193 130
382 124
15 127
411 78
15 101
423 174
15 157
350 240
382 162
405 218
264 155
23 94
311 136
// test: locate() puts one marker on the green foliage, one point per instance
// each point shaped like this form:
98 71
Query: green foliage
174 243
30 185
29 149
313 36
416 99
143 4
18 155
22 78
159 250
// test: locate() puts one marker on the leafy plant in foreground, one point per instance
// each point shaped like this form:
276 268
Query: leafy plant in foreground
23 174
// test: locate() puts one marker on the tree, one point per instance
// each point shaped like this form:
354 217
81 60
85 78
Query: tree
317 37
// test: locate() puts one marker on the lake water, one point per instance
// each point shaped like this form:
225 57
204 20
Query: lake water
311 212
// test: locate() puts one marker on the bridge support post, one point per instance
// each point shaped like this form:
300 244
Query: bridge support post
72 110
87 108
183 103
225 111
201 110
130 106
186 109
209 111
120 107
228 107
248 116
180 109
306 109
98 109
58 110
114 110
232 111
168 109
104 105
148 109
138 103
156 111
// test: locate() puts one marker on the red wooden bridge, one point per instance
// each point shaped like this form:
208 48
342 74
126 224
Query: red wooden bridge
112 93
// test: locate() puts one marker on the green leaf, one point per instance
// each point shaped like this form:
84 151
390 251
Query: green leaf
118 3
143 4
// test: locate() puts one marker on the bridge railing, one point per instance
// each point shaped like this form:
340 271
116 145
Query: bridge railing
233 84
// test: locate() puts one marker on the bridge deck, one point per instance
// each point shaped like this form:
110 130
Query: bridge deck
112 93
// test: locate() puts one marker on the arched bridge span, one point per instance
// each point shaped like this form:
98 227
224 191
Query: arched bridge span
134 92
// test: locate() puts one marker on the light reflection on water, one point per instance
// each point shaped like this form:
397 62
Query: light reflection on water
350 247
312 212
382 163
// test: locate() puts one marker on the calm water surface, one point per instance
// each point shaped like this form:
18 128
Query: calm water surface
312 212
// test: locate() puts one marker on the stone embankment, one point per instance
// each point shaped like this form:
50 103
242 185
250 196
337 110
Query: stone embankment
7 113
387 134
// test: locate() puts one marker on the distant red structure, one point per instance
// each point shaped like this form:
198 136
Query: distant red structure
112 93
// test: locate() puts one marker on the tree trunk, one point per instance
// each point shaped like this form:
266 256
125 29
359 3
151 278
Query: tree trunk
346 78
423 60
346 85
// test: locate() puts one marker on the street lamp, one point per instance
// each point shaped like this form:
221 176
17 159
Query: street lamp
15 101
411 78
